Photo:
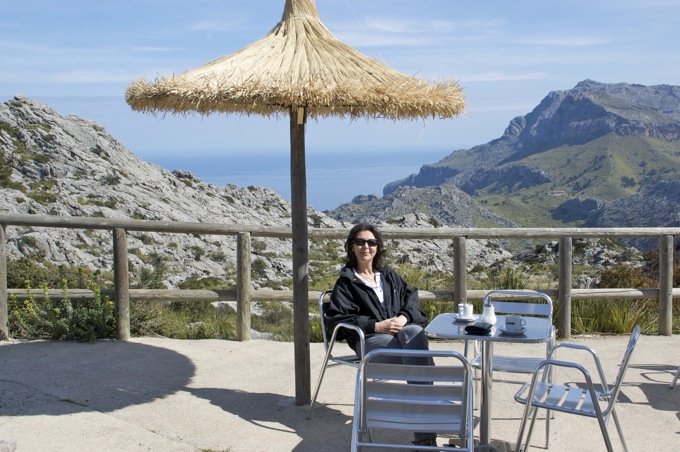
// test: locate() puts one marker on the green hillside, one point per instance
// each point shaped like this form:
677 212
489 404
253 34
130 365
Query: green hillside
607 168
591 155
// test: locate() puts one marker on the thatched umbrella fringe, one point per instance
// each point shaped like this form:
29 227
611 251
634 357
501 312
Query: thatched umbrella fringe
401 102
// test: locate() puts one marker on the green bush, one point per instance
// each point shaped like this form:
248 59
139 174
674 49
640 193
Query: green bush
83 320
209 283
181 320
277 320
506 278
37 271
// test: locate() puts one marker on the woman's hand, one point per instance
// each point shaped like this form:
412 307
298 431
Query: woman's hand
392 325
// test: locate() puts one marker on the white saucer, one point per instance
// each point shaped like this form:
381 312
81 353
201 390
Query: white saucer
458 318
513 332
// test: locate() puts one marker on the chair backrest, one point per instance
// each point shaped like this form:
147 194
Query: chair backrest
329 339
614 390
323 307
520 302
416 397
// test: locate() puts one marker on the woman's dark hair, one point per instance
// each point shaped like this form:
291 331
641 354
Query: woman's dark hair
379 263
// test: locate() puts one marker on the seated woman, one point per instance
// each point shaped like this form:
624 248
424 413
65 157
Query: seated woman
371 295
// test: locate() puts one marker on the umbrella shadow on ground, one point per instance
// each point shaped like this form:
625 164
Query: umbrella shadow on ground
65 377
327 429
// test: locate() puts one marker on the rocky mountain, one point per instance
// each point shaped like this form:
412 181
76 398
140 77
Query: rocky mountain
70 166
591 155
444 204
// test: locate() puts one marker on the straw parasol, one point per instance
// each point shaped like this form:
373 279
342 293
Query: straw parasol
298 69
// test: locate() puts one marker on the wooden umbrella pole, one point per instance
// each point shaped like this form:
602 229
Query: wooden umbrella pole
298 186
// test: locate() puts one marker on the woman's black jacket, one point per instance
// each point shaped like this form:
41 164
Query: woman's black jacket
354 302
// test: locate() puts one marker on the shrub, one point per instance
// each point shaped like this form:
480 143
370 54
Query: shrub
34 271
276 319
506 278
211 283
84 320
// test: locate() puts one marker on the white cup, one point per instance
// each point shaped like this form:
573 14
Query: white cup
464 310
514 323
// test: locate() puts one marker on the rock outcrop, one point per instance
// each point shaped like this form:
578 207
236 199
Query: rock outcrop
70 166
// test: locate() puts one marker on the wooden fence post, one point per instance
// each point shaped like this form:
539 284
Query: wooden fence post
4 301
666 285
121 283
459 271
564 288
243 290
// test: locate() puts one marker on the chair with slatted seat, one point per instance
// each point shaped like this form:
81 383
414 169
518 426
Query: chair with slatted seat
571 399
414 397
522 303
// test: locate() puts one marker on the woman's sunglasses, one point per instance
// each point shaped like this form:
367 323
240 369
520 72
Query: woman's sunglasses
361 242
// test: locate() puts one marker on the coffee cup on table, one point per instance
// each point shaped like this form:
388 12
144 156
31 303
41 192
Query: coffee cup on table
514 323
465 310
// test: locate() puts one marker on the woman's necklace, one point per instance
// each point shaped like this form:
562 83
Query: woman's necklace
370 282
374 285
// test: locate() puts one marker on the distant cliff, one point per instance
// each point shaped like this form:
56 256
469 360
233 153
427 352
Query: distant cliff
564 162
443 205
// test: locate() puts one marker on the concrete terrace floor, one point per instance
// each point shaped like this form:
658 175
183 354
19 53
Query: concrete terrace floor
155 394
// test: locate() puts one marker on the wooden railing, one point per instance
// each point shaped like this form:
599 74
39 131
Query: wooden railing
243 294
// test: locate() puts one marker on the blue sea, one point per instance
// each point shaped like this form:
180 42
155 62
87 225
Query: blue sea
333 178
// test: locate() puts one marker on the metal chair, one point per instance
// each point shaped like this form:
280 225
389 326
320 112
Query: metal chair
523 303
520 304
348 360
413 397
574 400
675 378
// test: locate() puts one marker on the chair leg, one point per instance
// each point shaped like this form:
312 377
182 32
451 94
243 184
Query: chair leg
358 432
475 377
353 447
548 413
675 378
605 433
528 411
531 428
318 383
477 391
619 429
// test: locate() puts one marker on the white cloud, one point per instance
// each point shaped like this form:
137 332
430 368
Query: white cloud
368 39
563 41
647 5
442 26
382 32
92 76
392 26
503 77
208 25
154 49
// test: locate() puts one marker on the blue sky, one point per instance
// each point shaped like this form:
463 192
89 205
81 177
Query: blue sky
78 56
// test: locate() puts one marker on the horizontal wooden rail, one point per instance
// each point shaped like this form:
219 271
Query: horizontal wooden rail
244 294
442 233
193 295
